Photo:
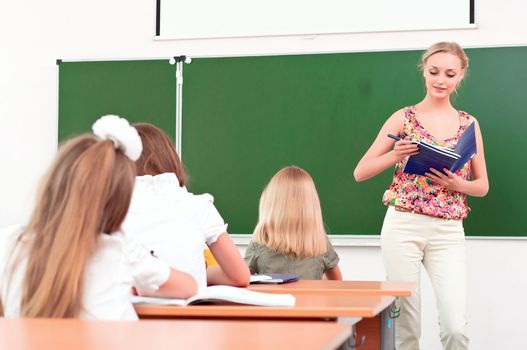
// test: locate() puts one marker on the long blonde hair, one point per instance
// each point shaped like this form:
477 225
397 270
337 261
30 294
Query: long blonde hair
86 191
290 219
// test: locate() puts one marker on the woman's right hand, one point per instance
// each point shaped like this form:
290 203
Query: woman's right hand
404 148
383 154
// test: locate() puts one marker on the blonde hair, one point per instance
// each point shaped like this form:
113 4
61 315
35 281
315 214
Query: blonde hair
290 218
447 47
159 155
86 192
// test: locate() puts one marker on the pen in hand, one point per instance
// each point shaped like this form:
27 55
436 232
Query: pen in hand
393 137
396 138
404 150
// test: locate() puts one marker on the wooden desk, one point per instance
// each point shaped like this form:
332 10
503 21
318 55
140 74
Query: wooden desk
62 334
308 306
379 331
392 288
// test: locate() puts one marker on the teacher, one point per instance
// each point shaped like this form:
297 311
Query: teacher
424 221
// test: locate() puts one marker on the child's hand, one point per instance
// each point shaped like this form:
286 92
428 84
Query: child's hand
451 181
404 148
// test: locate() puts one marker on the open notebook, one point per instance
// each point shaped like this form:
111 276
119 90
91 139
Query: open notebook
439 158
223 294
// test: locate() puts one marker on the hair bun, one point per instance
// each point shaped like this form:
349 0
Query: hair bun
123 135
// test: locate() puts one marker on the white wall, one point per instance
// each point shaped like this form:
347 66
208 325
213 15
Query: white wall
35 33
222 19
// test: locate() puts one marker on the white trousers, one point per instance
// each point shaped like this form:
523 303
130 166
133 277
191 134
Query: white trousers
409 240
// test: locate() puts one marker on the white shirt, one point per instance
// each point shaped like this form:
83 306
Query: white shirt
173 224
116 265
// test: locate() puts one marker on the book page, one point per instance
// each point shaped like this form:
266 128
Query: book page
241 296
222 294
157 301
274 278
443 150
259 278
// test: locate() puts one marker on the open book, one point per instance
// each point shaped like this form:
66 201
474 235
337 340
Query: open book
274 278
439 158
223 294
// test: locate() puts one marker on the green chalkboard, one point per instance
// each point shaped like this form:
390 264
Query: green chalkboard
138 90
246 117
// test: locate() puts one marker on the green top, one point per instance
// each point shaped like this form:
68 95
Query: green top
262 259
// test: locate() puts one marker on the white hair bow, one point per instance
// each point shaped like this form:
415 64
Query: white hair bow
123 135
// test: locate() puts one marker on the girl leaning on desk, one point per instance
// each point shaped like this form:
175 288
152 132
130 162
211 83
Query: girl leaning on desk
423 223
72 259
176 224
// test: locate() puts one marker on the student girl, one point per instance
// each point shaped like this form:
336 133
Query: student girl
174 224
290 235
72 260
423 223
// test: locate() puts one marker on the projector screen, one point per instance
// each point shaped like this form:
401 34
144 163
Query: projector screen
193 19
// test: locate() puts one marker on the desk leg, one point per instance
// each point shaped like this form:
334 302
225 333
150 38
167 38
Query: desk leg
387 329
351 342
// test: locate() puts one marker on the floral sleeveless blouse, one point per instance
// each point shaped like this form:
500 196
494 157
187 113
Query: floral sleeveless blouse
419 193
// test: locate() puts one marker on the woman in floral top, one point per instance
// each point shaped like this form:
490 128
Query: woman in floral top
423 223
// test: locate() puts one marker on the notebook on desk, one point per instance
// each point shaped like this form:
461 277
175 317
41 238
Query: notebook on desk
222 294
274 278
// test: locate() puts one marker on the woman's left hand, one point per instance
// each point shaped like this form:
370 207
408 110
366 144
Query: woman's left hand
451 181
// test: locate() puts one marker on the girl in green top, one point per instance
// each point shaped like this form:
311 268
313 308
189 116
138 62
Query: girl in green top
290 235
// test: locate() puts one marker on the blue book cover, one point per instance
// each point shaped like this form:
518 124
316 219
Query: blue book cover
436 157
